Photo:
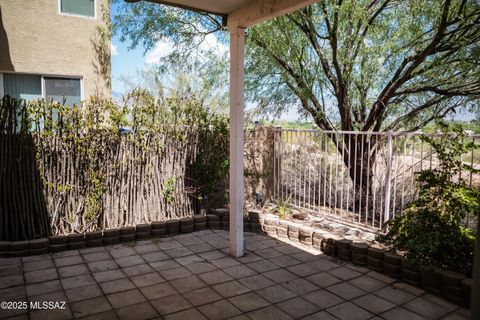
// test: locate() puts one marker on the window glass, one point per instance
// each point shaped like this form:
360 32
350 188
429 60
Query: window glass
59 89
22 86
80 7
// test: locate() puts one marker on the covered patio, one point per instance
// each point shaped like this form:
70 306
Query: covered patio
192 276
214 274
237 16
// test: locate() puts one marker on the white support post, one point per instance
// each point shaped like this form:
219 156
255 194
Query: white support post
237 42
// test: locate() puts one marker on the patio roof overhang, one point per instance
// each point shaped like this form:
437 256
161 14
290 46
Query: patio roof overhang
241 13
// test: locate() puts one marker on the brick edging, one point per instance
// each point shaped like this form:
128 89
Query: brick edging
452 285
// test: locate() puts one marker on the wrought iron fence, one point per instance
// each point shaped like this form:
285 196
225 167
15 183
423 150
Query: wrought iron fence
363 177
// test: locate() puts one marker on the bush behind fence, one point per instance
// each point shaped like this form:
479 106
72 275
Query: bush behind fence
365 178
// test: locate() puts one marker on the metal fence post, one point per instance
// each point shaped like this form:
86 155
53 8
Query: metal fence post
276 162
388 178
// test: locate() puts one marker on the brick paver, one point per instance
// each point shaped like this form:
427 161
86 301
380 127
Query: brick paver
192 277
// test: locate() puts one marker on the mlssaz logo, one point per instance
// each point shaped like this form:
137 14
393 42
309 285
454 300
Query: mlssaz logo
47 305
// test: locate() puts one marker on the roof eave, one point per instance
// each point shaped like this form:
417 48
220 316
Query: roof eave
173 4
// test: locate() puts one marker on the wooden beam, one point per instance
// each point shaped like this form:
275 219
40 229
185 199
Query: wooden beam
182 6
263 10
237 103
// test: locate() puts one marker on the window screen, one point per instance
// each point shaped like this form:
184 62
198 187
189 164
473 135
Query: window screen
80 7
22 86
59 89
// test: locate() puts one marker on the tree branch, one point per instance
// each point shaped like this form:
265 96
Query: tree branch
403 73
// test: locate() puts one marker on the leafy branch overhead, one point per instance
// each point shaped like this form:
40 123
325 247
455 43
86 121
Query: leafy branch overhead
368 65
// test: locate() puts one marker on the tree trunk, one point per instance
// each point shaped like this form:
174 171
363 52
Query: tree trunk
359 155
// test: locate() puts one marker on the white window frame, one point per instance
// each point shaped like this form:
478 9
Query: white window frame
78 15
42 82
2 92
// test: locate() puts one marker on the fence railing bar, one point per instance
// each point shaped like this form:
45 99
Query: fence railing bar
309 175
403 172
368 183
349 189
388 178
292 166
335 152
275 151
373 175
355 179
305 167
472 163
431 156
395 176
421 154
362 187
291 163
461 161
379 133
412 170
280 165
344 181
330 160
319 164
325 172
303 170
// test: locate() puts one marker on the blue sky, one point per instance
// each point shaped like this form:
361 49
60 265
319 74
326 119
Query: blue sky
125 62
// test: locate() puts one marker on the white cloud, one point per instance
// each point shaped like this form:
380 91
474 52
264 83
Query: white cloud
165 47
211 43
113 49
162 49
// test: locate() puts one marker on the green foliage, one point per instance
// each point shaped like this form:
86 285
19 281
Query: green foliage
168 190
431 231
187 120
283 208
211 165
93 203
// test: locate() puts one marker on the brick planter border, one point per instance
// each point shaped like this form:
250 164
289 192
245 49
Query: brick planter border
453 286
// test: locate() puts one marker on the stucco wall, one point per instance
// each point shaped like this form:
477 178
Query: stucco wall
36 38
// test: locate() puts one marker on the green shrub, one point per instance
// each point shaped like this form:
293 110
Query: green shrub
430 232
283 208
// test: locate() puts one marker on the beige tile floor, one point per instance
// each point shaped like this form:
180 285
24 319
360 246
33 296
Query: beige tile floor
192 277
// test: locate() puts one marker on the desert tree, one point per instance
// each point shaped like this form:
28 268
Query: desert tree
354 65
